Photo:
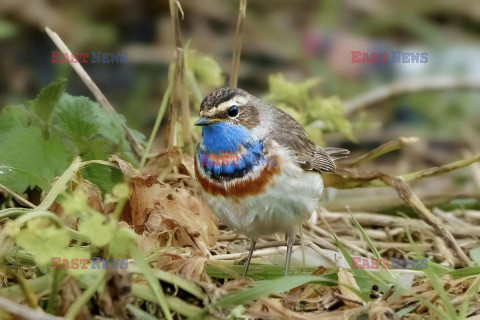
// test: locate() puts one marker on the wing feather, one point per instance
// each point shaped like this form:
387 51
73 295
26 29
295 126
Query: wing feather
309 156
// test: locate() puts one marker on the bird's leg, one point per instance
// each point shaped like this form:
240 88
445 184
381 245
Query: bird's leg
250 253
290 237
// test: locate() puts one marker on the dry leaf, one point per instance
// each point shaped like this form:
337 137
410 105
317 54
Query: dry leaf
346 278
166 215
268 308
191 267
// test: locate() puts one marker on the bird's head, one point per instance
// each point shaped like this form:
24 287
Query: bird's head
229 117
229 105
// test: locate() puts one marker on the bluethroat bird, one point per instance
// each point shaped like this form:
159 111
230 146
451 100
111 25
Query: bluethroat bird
265 176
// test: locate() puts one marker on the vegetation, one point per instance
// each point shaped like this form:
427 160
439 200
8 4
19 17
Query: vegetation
76 184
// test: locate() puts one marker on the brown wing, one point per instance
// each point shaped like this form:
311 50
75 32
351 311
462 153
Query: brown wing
310 156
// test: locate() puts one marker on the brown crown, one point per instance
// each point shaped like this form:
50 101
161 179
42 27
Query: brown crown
218 96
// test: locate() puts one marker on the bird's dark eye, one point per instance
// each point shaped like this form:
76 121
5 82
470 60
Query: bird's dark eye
233 111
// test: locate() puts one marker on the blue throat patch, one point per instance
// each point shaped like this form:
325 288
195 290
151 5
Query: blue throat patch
223 138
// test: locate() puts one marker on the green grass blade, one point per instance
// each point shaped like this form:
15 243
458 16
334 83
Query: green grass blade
177 305
158 120
151 279
139 313
184 284
60 185
266 287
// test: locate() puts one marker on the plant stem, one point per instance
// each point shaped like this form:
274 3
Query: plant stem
60 185
144 292
152 280
158 120
381 150
237 44
57 279
17 196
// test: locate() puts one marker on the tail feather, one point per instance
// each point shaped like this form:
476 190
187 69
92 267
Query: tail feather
336 153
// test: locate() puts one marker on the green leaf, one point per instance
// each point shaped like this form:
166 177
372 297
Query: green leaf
94 135
139 313
79 118
104 177
121 239
15 116
19 179
266 287
97 228
464 272
47 99
314 112
44 241
205 69
294 93
24 148
330 112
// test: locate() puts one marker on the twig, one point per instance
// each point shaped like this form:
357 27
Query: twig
345 178
17 196
136 148
177 82
382 202
442 169
402 87
24 312
174 9
411 199
475 168
182 94
237 44
381 150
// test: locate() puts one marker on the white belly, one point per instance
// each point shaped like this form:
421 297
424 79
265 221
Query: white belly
287 203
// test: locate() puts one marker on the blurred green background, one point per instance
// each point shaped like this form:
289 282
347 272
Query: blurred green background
300 39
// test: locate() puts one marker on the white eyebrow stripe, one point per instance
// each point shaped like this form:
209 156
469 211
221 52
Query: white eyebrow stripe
237 100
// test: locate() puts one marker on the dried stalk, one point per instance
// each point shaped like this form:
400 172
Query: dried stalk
182 94
237 44
345 178
378 203
381 150
174 9
411 199
179 96
106 105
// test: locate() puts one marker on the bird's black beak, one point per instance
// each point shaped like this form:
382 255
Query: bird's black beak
204 121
